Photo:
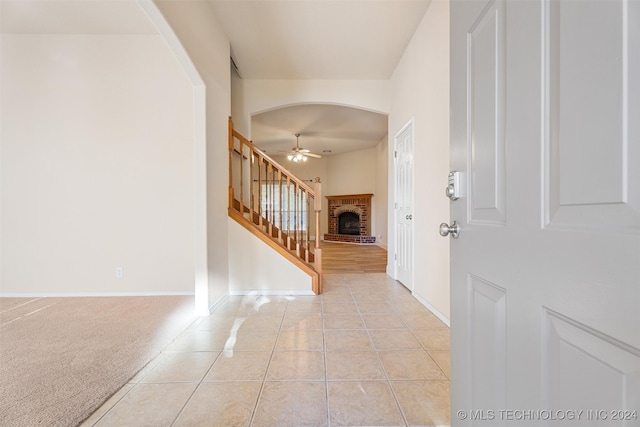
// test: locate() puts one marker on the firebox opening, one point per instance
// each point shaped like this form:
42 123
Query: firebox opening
349 223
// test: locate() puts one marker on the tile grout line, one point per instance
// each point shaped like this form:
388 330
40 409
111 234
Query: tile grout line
324 360
346 285
114 405
381 365
199 383
266 371
424 348
151 365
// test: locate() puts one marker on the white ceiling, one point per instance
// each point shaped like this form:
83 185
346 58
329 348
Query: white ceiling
321 127
319 39
270 39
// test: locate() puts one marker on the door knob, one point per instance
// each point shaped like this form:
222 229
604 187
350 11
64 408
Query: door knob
453 229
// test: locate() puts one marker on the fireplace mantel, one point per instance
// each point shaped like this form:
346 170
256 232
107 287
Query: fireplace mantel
351 196
359 204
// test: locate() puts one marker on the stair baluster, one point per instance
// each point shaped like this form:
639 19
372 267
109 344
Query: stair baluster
282 214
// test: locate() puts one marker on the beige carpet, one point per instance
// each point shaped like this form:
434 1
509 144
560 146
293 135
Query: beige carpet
61 358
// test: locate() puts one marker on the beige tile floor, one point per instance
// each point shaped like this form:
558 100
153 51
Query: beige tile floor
365 352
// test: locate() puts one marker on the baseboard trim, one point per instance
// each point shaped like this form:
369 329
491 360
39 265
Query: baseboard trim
93 294
216 304
432 309
390 270
268 292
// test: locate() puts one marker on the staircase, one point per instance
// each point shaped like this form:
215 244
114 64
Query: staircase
274 205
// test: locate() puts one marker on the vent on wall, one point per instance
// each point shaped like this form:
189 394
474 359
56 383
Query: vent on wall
234 66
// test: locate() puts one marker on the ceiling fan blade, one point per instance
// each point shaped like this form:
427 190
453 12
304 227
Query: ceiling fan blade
317 156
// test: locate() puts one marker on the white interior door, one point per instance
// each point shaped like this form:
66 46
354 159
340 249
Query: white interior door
545 291
404 205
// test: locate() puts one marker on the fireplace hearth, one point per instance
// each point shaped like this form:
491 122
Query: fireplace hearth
349 219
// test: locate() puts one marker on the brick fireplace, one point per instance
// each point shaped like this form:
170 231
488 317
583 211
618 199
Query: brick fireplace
350 219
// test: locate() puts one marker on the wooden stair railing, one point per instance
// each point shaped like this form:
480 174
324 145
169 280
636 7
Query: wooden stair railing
275 205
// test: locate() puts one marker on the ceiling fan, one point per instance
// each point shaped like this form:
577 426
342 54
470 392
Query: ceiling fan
298 154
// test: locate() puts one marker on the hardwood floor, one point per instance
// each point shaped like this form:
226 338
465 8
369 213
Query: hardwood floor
350 258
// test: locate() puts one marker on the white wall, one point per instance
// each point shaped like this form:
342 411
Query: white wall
96 166
198 30
363 172
240 119
420 90
255 96
380 202
352 173
254 267
263 95
355 172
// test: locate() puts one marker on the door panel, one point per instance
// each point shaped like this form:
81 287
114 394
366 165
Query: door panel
404 205
573 349
487 348
486 116
545 274
575 122
585 62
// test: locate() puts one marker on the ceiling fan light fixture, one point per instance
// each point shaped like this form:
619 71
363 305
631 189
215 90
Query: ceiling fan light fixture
298 157
299 154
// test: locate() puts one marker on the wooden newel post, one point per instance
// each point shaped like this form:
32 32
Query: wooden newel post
317 207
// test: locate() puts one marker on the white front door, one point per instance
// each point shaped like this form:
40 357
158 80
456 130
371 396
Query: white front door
404 205
545 273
